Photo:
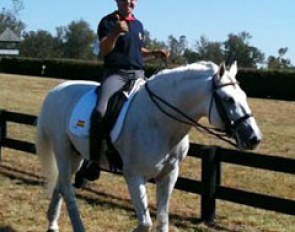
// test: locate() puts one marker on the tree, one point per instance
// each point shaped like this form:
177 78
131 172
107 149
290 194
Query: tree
210 50
59 40
237 48
152 43
78 40
74 41
177 48
279 62
191 56
284 63
273 63
10 18
40 44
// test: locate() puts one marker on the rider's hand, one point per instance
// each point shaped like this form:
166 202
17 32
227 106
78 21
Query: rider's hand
121 27
161 53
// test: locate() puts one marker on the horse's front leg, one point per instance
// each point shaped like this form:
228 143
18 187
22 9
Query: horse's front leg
137 191
165 185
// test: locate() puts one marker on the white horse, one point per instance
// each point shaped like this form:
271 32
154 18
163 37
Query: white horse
154 138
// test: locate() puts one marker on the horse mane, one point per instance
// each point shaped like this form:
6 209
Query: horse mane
203 68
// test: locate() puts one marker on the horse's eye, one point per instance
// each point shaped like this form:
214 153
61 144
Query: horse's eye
229 100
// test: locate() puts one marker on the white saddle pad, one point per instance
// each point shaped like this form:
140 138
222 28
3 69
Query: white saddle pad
80 119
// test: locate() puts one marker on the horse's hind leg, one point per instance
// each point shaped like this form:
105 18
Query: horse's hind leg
54 210
65 160
68 194
138 195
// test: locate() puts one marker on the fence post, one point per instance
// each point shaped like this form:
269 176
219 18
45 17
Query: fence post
210 180
2 129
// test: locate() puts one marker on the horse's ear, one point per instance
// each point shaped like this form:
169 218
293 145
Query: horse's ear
221 69
219 74
233 69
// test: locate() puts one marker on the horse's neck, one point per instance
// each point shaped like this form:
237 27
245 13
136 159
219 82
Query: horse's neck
186 93
185 90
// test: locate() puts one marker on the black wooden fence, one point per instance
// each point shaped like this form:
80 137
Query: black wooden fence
209 187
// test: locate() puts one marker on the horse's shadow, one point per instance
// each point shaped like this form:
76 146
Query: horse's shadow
7 229
102 199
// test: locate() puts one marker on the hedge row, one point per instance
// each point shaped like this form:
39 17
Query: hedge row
273 84
257 83
53 68
57 68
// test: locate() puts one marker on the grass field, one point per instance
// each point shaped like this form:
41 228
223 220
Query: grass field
105 204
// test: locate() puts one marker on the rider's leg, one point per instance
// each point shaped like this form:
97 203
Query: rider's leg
111 85
90 168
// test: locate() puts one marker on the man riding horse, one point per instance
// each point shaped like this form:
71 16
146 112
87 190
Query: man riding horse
121 38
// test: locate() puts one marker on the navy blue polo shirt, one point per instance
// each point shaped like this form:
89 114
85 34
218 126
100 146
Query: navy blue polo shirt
127 51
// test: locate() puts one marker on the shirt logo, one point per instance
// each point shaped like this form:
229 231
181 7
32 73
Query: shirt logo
140 36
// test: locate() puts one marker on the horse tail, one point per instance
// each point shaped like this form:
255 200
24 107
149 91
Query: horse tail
46 156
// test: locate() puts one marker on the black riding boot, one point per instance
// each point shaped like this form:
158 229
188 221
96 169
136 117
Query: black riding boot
90 169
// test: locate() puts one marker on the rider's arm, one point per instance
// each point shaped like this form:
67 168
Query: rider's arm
108 42
147 53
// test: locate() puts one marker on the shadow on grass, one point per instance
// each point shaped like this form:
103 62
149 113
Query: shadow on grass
107 200
25 177
6 229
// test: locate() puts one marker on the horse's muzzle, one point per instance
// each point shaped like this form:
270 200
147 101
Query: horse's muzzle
253 142
248 135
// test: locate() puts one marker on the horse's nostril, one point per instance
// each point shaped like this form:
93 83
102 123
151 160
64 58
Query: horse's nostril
255 140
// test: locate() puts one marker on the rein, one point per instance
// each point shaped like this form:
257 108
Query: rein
189 121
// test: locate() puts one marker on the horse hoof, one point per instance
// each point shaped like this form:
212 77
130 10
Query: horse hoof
143 228
51 230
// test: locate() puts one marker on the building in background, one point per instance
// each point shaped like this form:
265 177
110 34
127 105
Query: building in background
9 43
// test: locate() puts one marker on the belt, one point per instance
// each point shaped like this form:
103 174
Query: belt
124 67
134 73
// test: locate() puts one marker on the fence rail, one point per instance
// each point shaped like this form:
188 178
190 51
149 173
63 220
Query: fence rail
209 187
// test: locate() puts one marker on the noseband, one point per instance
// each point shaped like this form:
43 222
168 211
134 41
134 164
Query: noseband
230 124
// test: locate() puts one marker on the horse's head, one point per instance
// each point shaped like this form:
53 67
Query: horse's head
229 109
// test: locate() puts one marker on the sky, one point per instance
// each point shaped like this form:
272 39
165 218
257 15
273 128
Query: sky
269 22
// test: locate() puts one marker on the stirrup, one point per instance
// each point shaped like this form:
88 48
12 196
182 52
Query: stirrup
89 171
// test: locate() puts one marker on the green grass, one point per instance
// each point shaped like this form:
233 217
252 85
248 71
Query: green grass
105 206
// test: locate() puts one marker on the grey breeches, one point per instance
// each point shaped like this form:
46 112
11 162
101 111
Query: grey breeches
112 83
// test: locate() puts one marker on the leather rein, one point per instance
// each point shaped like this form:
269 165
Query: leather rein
231 125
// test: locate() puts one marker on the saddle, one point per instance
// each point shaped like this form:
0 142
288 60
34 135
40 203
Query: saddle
113 120
115 105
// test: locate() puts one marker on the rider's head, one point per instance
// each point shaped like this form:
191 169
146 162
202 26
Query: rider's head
126 7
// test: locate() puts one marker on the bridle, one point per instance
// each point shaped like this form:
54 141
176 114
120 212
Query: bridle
230 125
